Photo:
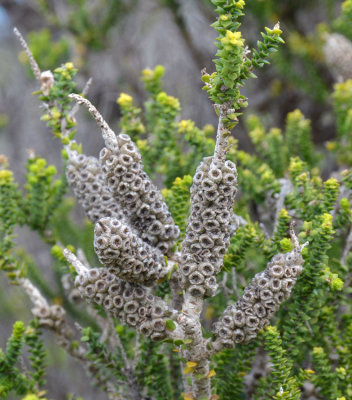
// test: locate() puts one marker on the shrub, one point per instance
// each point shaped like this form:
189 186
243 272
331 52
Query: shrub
188 292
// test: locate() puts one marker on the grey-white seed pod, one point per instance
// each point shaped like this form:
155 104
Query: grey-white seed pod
52 317
120 162
135 193
84 176
133 260
261 298
209 225
129 302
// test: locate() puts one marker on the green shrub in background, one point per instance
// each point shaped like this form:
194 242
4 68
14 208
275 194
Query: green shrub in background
43 47
199 328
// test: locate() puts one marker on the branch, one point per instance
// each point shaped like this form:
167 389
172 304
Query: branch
45 78
241 322
34 66
347 248
131 303
221 146
286 187
132 188
53 318
108 134
85 91
75 262
209 229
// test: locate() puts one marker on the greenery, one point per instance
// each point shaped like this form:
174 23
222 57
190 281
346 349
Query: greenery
306 351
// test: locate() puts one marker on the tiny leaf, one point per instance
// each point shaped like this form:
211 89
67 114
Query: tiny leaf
170 325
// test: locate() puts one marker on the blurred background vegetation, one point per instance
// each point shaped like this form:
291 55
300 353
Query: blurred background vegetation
112 41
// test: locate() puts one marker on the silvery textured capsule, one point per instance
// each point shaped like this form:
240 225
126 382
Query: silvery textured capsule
133 189
85 177
133 260
260 300
131 303
209 225
52 317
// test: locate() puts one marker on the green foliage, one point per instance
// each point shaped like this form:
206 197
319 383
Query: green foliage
343 23
90 24
164 141
300 65
67 232
153 371
167 139
270 145
233 67
326 380
12 378
13 346
106 363
43 194
9 214
130 122
281 383
152 79
342 101
281 232
298 138
313 328
57 116
276 149
161 111
4 120
231 368
256 178
245 238
37 355
311 291
199 141
50 53
301 62
305 51
178 200
345 378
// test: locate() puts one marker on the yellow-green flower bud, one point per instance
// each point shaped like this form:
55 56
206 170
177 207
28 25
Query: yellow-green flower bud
318 350
51 170
327 221
275 31
125 100
57 252
336 284
159 71
345 203
6 176
286 245
232 39
69 66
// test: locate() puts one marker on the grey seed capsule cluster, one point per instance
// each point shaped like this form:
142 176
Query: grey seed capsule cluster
209 226
241 322
85 177
133 189
67 283
52 317
133 260
132 304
